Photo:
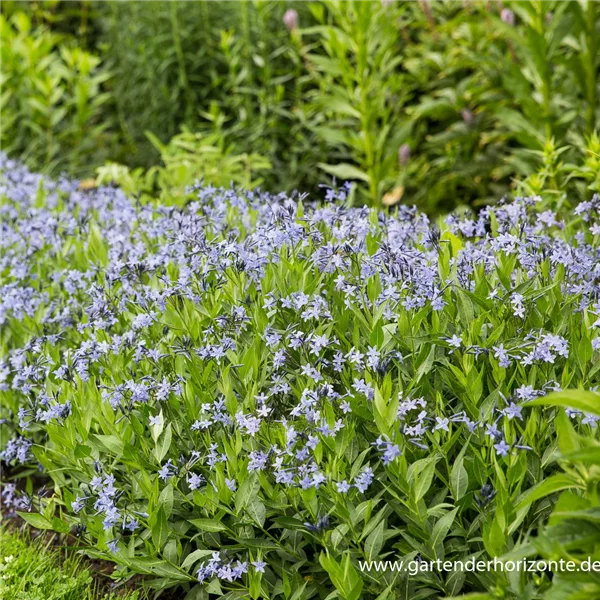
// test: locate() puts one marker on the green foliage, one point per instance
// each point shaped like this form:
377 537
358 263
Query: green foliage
52 103
160 83
188 158
438 104
573 529
34 570
216 67
555 176
145 358
358 105
497 93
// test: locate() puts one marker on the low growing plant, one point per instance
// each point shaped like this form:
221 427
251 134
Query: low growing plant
32 569
257 396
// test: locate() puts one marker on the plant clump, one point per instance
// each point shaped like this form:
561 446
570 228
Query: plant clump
257 394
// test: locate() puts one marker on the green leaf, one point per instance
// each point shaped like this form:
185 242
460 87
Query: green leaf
354 583
341 106
165 500
345 171
36 520
111 443
493 537
588 402
163 445
157 429
589 455
423 480
441 529
567 438
194 557
82 451
256 509
289 523
465 308
553 484
208 525
584 352
374 542
60 526
592 515
459 478
333 569
426 364
245 492
168 571
160 529
344 576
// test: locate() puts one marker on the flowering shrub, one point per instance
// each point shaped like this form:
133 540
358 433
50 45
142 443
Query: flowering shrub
250 395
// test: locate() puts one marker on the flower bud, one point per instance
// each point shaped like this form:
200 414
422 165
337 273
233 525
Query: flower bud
290 19
403 155
508 16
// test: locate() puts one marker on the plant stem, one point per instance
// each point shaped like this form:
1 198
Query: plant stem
183 79
592 46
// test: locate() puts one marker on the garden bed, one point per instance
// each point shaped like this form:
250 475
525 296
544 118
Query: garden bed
258 395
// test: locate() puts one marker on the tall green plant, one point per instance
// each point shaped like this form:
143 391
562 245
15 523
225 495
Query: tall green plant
545 98
499 91
361 91
52 98
157 85
433 103
262 97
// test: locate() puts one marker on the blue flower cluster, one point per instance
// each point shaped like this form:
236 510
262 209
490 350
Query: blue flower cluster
313 350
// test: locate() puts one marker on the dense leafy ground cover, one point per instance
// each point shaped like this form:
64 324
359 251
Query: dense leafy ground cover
33 570
247 395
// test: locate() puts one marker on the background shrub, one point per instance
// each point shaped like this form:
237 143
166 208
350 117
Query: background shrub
52 102
438 104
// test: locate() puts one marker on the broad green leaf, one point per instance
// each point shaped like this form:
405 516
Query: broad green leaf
160 528
589 455
423 480
345 171
165 500
374 542
164 443
567 438
459 478
441 529
256 509
553 484
112 443
60 526
208 525
36 520
194 557
588 402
